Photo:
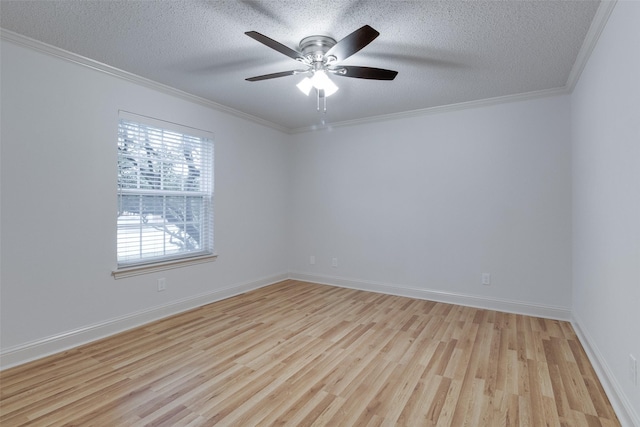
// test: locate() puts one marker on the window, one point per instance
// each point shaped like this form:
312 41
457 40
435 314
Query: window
165 192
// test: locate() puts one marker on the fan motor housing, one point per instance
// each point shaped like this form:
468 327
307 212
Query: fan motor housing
315 47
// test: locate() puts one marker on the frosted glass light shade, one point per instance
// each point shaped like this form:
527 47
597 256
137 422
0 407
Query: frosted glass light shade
320 81
305 86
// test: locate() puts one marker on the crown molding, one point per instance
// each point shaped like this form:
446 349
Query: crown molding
591 39
526 96
56 52
597 26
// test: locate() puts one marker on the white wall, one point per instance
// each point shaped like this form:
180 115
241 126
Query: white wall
606 200
419 206
59 127
429 203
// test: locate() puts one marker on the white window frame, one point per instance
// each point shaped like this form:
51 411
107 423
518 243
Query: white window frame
163 243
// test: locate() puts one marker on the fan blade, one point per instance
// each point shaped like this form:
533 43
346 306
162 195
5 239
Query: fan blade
275 75
353 43
367 73
274 45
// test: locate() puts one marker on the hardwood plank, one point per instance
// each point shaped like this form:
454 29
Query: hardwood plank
303 354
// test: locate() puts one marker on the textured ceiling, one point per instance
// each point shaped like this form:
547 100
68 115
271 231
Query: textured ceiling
445 52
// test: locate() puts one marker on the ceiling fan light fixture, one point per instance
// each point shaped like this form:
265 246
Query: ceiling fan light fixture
320 81
319 55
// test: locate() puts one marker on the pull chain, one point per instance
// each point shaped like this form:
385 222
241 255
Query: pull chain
320 94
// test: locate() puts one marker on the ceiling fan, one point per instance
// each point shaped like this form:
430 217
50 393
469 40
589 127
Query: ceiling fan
319 57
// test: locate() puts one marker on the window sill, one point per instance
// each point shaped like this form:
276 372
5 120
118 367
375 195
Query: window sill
161 266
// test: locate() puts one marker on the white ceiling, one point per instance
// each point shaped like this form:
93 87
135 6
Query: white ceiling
445 52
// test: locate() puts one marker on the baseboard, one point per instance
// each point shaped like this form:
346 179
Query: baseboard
28 352
621 404
18 355
498 304
24 353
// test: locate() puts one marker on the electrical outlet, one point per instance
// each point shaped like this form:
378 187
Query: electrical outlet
334 262
162 284
486 279
312 259
633 370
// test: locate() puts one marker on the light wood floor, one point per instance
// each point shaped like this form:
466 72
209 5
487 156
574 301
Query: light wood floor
297 353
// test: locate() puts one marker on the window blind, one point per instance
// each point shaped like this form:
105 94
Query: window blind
165 194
